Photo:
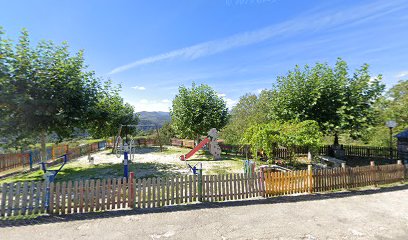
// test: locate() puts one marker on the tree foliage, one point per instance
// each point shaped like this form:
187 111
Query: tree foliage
196 110
336 100
110 113
269 136
46 90
250 109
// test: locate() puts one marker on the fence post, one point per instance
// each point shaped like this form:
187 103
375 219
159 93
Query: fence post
131 190
30 157
343 165
310 175
200 185
373 172
402 167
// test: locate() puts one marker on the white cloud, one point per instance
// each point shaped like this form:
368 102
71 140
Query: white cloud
229 102
311 22
402 74
139 88
151 105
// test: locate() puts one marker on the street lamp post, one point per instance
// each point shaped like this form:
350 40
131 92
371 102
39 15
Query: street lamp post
391 124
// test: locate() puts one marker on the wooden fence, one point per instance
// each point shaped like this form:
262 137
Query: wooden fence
284 183
344 178
28 159
283 153
27 198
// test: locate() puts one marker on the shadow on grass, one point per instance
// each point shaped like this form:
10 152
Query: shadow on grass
197 206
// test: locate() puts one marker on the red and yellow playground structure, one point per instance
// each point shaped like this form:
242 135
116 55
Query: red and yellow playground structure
213 146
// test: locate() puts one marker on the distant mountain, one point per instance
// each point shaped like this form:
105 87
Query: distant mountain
148 120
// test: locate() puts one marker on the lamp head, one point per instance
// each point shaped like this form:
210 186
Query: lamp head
391 124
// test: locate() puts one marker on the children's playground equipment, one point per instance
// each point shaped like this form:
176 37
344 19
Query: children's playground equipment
249 167
50 175
194 169
125 147
211 139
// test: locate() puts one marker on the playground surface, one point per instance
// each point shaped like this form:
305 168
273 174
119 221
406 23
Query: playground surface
148 162
370 214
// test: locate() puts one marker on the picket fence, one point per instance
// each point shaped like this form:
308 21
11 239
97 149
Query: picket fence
27 198
283 153
28 159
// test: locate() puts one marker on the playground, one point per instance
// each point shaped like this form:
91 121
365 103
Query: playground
148 162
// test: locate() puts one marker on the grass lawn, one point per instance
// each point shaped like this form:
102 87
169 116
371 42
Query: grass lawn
153 164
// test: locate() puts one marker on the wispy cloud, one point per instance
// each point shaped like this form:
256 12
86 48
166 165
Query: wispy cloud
314 21
402 74
139 88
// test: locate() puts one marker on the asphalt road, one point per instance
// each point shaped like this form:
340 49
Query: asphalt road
373 214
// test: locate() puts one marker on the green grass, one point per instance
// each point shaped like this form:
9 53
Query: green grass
74 171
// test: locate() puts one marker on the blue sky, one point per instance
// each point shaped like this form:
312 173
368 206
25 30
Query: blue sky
235 46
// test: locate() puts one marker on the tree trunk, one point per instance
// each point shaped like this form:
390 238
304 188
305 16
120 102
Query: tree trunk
198 139
43 146
336 139
114 144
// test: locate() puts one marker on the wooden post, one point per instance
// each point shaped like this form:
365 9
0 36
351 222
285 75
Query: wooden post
131 190
310 174
343 165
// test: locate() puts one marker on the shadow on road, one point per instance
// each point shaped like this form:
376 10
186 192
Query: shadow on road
197 206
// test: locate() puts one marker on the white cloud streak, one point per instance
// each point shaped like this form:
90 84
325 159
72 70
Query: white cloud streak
402 74
316 21
139 88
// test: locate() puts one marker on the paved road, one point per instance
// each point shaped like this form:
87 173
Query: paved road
374 214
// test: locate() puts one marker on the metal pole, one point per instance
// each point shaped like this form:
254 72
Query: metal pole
125 165
391 152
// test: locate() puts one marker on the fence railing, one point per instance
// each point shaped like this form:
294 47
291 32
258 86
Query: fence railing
284 153
27 198
29 158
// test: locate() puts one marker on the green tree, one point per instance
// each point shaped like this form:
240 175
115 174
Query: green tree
196 110
250 109
290 134
166 133
392 106
110 113
45 90
337 101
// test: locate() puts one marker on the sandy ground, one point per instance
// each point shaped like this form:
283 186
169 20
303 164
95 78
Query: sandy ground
372 214
146 155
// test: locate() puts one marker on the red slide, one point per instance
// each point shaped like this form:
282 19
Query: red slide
195 149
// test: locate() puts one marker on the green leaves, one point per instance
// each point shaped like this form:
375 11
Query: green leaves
283 134
46 89
329 96
196 110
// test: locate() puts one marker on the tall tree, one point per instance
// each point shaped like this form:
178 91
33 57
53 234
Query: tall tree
289 134
196 110
111 112
337 101
45 90
250 109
